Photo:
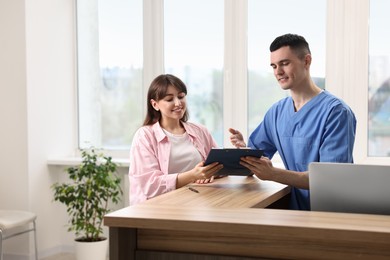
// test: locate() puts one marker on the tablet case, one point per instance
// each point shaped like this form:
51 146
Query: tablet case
230 158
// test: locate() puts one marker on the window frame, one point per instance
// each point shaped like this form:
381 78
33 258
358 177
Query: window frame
347 56
347 33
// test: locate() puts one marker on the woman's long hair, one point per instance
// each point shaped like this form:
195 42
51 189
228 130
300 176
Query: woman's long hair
157 91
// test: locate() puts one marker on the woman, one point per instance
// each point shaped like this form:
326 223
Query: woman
167 151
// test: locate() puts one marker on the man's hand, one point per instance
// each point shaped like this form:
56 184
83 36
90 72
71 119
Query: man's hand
236 138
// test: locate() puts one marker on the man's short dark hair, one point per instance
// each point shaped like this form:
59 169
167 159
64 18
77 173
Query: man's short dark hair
297 43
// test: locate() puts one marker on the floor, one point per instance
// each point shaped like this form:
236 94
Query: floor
62 256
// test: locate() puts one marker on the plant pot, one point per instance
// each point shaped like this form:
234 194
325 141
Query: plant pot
91 250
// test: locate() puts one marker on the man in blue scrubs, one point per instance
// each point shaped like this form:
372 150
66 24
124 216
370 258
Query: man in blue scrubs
311 125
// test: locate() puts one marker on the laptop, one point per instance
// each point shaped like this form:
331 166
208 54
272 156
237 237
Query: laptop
351 188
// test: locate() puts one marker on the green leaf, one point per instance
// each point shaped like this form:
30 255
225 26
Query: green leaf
95 183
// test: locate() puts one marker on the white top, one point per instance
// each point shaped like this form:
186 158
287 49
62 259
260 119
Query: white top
183 156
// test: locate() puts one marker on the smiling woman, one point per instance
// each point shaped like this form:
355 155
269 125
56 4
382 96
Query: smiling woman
168 151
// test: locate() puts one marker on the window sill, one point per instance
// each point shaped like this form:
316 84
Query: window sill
74 161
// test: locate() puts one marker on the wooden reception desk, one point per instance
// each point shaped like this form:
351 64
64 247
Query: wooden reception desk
227 192
184 224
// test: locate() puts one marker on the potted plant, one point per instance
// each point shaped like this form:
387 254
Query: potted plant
94 184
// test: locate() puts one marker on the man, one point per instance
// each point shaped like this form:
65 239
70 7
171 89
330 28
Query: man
309 126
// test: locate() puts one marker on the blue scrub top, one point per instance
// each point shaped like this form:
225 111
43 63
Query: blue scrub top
323 130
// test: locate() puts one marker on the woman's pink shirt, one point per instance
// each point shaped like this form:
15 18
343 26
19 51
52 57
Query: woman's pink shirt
149 159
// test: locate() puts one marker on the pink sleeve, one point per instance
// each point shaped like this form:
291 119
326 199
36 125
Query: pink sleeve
146 177
211 143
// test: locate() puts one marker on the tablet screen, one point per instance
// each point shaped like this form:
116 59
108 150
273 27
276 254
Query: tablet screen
230 158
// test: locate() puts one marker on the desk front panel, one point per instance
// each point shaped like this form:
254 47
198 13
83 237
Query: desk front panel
260 233
270 242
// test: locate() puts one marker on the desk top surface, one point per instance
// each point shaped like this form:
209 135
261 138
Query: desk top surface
226 192
229 203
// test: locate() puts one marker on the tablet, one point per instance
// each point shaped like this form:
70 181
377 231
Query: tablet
230 158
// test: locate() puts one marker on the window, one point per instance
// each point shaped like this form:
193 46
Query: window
218 48
379 80
193 51
110 69
112 87
266 21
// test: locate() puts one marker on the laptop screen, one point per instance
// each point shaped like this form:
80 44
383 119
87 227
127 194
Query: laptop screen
346 187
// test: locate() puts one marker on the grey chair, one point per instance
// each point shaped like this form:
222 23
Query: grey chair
12 220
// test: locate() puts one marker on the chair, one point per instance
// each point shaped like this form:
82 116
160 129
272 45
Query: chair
10 219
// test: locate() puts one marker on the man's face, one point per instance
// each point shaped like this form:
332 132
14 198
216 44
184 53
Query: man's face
289 70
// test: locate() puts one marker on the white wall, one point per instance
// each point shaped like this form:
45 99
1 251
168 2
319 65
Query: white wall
38 115
14 185
51 111
13 105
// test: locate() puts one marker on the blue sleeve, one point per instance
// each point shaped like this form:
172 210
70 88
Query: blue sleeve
261 137
339 136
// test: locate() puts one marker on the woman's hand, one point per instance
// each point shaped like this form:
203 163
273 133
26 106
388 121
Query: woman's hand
200 174
205 174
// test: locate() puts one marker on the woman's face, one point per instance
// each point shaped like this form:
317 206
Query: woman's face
172 106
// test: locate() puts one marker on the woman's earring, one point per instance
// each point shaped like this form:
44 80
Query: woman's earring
157 109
